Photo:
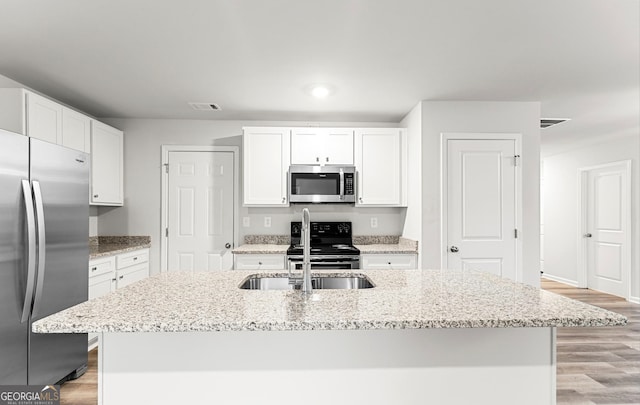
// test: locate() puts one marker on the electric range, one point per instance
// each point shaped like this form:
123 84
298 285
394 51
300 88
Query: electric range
331 246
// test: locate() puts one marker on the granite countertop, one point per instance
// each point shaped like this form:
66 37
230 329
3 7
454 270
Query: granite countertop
399 246
401 299
102 246
376 244
248 249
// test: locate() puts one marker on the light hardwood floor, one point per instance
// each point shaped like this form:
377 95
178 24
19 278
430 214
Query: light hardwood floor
595 365
598 365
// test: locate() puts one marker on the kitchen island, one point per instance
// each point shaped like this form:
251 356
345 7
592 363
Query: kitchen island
418 336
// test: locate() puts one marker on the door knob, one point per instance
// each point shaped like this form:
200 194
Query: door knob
587 235
227 245
454 249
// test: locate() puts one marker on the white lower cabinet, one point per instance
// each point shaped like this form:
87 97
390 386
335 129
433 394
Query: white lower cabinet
108 274
388 261
132 267
258 262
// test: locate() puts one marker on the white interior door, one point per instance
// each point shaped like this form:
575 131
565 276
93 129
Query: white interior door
200 211
607 228
481 206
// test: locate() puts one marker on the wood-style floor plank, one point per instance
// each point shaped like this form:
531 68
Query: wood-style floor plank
598 365
595 365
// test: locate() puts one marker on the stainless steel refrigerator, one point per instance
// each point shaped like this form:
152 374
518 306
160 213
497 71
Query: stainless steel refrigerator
44 254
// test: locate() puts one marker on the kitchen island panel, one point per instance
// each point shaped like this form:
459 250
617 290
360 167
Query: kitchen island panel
443 366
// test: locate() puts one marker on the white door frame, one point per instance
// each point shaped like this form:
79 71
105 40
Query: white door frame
165 192
444 138
583 186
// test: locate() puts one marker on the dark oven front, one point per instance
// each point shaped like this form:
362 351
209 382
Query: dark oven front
326 262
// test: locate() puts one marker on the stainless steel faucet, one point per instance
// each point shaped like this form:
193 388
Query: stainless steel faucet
306 252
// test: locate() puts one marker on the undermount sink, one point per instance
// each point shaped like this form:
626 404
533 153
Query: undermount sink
323 282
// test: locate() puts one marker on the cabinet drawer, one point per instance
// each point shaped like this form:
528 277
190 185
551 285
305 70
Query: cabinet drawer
132 274
388 262
132 258
259 262
102 266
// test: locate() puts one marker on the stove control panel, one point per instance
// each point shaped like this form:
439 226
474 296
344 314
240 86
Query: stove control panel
324 229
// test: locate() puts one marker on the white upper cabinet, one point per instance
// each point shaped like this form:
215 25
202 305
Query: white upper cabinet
30 114
381 165
76 130
322 146
106 165
266 159
44 118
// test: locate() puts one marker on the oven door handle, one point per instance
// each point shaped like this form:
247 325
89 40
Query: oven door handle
341 184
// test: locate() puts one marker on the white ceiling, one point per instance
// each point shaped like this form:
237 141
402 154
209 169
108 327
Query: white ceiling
148 58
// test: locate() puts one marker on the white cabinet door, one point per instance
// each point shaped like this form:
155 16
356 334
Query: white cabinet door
76 130
266 163
306 146
44 118
338 146
106 165
101 285
13 110
388 262
321 146
380 158
259 262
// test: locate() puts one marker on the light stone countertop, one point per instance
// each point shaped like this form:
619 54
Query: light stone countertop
386 249
103 246
257 249
401 299
366 244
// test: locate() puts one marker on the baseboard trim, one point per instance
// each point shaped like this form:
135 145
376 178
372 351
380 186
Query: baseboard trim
562 280
635 300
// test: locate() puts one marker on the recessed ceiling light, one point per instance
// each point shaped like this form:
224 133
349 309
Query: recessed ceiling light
320 91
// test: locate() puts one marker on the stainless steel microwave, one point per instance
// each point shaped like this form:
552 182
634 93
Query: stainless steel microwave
322 184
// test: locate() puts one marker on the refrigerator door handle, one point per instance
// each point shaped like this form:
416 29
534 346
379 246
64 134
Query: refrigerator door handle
31 250
37 193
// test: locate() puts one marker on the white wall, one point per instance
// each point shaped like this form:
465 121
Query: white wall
561 203
413 220
141 213
478 116
6 82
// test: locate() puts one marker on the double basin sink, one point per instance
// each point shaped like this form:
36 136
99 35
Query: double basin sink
318 282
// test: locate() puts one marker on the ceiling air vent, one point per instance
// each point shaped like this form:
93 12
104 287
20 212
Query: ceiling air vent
205 106
549 122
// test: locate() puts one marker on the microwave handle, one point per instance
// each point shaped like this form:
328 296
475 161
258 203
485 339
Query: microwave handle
341 184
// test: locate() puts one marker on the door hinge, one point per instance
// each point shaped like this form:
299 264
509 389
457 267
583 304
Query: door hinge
515 233
516 158
166 167
166 232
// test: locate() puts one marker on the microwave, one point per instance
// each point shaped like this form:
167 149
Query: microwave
322 184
